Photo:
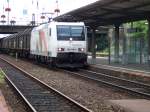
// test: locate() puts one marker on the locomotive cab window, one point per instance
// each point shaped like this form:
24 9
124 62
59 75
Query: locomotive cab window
67 32
77 33
63 32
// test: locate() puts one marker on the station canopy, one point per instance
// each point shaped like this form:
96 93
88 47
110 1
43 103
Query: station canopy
108 12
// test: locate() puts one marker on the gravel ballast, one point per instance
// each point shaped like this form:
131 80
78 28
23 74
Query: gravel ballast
88 93
14 102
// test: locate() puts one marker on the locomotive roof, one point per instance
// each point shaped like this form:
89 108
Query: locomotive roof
57 23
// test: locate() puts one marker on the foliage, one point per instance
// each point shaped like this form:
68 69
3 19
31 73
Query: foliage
101 54
1 77
101 42
141 27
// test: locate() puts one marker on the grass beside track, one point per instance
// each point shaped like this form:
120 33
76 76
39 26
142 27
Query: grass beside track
1 77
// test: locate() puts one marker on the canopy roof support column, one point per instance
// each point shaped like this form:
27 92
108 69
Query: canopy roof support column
93 44
116 43
148 40
124 55
109 48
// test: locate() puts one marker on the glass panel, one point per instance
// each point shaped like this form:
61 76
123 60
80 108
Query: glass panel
67 32
63 32
76 31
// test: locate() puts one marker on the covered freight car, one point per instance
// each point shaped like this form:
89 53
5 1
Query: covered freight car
18 43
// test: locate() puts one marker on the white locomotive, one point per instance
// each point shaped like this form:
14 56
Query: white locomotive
61 44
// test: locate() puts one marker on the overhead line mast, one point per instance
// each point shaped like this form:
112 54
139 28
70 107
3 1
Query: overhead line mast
57 10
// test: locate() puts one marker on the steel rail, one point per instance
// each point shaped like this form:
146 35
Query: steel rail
24 98
110 83
117 78
45 85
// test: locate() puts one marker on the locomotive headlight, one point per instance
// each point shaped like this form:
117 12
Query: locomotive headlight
61 49
81 49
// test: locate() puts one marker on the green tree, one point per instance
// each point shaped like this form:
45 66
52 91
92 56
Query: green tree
141 29
101 42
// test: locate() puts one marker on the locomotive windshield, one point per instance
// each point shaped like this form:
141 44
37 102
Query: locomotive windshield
67 32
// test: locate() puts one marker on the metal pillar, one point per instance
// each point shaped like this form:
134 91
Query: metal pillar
148 41
33 19
117 43
124 55
109 49
109 35
93 45
141 49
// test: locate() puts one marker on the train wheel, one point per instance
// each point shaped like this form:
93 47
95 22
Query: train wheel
52 63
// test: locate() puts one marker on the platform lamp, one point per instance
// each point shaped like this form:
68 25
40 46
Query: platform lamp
3 19
46 15
12 22
8 9
33 19
57 10
3 16
42 17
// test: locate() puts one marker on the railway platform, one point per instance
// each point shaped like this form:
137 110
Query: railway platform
132 70
103 61
137 72
136 105
3 105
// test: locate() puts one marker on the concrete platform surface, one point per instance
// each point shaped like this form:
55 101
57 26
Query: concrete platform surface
137 70
3 105
130 105
103 61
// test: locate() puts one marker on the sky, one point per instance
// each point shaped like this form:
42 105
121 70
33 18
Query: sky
30 7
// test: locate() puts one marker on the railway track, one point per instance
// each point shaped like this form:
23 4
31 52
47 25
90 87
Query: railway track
39 96
124 84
